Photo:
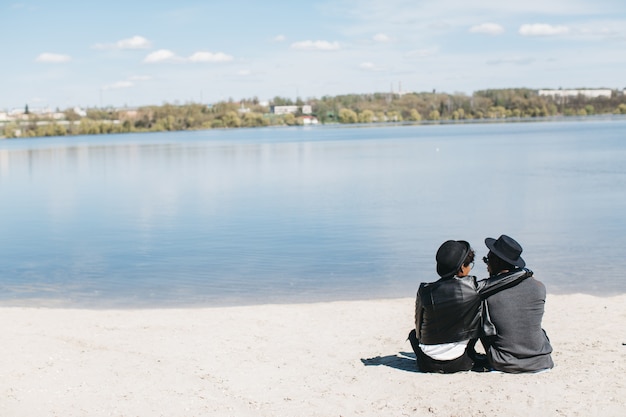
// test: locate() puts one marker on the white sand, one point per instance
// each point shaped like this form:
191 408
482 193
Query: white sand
293 360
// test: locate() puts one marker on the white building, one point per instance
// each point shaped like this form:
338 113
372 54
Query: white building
305 109
284 109
589 93
80 112
243 109
309 120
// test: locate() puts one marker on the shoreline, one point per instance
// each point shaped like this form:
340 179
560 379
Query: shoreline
319 359
512 119
233 302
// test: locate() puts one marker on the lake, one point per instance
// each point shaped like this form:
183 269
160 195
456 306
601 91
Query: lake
301 214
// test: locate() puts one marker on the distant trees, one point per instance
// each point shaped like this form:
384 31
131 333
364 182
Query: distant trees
10 130
350 108
289 119
253 119
366 116
434 115
484 104
348 116
281 101
414 115
231 119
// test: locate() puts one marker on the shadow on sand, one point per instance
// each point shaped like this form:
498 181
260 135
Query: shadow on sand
403 361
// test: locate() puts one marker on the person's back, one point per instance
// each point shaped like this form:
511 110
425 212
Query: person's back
448 312
520 344
514 340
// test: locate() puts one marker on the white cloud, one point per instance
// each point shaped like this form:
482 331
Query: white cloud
316 46
542 29
280 38
512 61
126 84
165 55
162 55
386 13
487 29
381 37
244 73
210 57
422 53
53 58
140 78
600 30
136 42
369 66
118 85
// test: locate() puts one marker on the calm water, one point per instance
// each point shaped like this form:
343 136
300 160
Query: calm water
304 214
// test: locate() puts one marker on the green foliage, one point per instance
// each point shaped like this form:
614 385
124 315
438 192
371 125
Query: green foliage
252 119
71 116
366 116
102 114
414 115
280 101
394 116
321 111
348 116
289 119
36 129
11 130
349 108
231 119
496 112
458 114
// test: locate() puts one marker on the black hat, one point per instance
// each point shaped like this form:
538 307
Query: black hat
507 249
450 257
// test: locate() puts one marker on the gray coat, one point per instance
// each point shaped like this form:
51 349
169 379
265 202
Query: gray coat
514 340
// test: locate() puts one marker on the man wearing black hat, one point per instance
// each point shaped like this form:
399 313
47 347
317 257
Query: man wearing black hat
513 337
448 311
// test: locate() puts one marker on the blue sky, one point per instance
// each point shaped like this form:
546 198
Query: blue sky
132 53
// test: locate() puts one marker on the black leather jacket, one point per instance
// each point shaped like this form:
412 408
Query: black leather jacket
450 310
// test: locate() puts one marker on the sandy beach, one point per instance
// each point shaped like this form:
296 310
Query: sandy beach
325 359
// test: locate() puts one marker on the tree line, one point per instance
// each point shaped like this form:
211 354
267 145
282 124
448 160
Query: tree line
350 108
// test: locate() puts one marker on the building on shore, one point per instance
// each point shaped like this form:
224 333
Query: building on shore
588 93
309 120
306 109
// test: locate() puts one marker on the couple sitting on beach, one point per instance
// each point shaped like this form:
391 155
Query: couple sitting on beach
504 311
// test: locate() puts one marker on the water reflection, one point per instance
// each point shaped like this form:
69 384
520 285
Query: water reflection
299 215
